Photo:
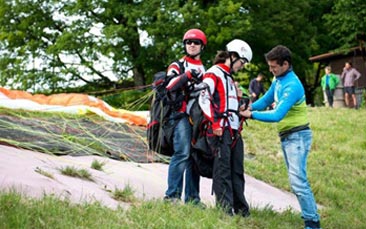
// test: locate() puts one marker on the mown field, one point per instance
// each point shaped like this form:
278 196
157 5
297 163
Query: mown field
336 170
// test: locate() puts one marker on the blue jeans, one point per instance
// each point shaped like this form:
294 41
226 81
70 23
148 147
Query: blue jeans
296 147
181 162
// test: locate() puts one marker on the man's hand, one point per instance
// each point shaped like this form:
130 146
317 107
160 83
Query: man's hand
196 75
246 113
218 132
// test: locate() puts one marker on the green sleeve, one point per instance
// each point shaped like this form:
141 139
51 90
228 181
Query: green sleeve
336 79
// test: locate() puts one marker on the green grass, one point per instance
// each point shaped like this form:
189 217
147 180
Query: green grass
336 164
75 172
127 194
97 165
44 173
336 170
17 211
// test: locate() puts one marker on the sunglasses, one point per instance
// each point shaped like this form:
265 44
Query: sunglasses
243 61
196 42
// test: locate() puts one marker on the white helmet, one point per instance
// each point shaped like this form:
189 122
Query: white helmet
241 48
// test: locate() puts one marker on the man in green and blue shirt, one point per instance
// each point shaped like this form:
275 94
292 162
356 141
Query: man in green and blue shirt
290 112
329 83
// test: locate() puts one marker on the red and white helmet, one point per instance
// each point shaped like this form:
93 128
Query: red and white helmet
241 48
195 34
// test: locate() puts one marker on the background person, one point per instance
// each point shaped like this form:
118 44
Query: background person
194 41
329 83
295 134
349 76
256 87
223 100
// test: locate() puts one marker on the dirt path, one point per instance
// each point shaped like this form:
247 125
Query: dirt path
18 170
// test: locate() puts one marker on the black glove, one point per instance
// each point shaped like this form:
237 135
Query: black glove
196 75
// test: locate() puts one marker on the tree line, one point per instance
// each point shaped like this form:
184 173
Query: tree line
54 46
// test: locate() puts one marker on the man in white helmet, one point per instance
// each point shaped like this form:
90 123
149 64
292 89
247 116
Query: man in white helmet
220 104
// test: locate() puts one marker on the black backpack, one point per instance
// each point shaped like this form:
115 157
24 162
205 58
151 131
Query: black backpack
159 129
204 143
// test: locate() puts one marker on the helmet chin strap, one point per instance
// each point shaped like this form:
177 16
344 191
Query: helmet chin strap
232 62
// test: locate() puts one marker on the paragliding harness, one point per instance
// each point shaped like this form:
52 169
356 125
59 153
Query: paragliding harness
160 128
205 145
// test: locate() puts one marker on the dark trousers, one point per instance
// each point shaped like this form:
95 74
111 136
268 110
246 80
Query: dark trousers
228 175
330 93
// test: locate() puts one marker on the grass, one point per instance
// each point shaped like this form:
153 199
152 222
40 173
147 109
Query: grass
97 165
75 172
17 211
336 170
44 173
127 194
336 164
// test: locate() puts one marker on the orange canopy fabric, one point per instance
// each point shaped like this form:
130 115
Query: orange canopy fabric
76 99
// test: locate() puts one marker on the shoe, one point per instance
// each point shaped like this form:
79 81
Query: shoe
230 212
245 214
242 213
171 200
196 203
312 224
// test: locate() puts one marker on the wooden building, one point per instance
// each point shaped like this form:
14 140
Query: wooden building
336 60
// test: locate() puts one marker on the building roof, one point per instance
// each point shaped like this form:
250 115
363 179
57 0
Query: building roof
355 51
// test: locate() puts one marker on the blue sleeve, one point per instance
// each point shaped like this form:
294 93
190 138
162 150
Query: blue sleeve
291 94
266 100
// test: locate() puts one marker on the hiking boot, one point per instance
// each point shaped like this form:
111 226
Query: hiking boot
245 214
196 203
309 224
230 212
242 213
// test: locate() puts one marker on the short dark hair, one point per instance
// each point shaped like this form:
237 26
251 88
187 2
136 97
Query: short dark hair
280 54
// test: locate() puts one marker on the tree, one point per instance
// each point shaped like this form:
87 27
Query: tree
53 45
295 24
71 38
24 40
347 22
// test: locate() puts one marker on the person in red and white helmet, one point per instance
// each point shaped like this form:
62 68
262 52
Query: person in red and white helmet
187 71
220 104
194 35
